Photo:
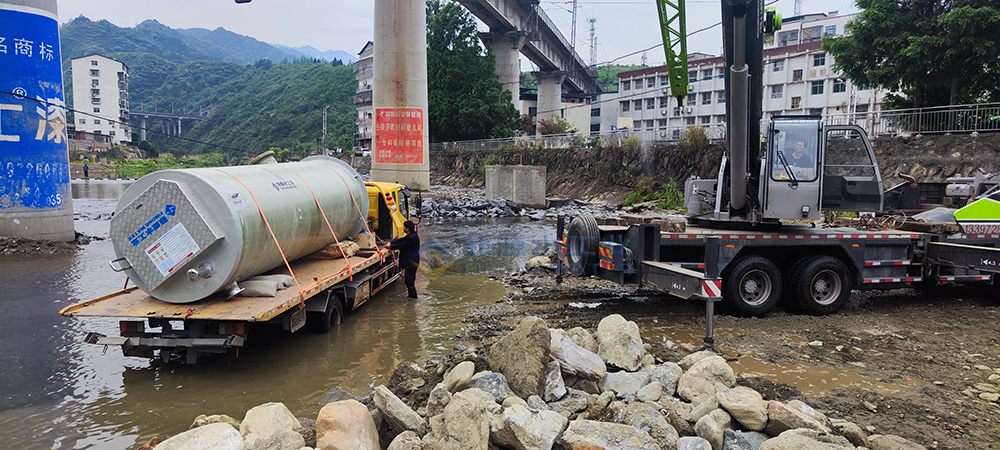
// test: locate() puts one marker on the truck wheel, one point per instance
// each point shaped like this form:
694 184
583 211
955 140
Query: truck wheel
332 317
751 286
583 239
821 284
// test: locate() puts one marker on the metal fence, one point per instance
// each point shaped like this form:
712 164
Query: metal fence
943 119
940 119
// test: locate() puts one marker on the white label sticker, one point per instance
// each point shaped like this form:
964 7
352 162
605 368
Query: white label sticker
172 249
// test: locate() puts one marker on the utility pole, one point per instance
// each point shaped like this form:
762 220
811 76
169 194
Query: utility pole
325 108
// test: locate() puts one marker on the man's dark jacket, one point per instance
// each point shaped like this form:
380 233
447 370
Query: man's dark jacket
409 250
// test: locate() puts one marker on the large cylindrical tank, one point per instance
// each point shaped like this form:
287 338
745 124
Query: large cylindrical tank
35 195
183 235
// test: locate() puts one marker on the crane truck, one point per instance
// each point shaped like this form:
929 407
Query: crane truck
191 240
751 239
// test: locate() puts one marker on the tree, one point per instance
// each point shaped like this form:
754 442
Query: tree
465 98
943 52
555 125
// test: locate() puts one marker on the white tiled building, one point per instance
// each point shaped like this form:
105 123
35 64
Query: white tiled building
798 78
364 73
100 89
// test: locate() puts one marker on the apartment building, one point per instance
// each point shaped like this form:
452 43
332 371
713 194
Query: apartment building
798 78
100 97
364 73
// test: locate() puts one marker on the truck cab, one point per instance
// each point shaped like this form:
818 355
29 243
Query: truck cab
388 208
809 168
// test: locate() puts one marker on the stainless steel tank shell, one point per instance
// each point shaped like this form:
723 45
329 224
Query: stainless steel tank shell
207 222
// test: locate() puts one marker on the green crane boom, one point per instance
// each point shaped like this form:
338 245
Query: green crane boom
674 30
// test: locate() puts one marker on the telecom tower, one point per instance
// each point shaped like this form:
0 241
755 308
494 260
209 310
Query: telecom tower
593 41
798 8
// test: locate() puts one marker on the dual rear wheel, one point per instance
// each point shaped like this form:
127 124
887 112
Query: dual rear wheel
752 285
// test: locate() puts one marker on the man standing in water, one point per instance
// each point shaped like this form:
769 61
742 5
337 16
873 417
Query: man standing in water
409 256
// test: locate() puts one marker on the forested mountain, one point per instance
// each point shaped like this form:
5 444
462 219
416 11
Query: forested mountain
312 52
250 106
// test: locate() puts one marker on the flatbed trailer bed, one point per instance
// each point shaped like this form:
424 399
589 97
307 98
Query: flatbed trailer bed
214 324
812 269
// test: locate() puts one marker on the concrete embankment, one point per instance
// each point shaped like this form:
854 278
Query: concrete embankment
542 388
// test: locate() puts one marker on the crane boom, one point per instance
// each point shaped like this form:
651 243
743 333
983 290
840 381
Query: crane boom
674 31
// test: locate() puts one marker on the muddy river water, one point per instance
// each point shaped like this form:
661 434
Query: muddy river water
58 393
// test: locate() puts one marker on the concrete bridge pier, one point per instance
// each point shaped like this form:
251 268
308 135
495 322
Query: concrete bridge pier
549 93
142 131
507 48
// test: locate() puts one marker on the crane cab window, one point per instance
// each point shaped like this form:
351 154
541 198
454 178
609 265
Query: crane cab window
794 151
846 155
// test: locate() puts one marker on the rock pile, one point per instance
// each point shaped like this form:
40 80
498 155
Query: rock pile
541 388
468 207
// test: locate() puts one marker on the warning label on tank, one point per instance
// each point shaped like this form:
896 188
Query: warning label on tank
399 136
172 249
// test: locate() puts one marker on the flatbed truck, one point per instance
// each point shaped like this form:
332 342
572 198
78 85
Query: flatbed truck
330 287
810 268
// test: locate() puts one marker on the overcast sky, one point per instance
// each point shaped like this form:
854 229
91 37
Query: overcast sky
623 27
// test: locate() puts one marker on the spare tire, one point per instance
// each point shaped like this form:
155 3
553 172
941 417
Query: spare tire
583 240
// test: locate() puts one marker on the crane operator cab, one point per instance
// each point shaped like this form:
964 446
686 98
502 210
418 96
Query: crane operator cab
810 168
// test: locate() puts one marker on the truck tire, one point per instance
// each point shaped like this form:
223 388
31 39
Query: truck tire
583 240
820 285
332 317
751 286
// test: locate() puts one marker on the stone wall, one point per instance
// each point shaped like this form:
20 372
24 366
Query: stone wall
609 174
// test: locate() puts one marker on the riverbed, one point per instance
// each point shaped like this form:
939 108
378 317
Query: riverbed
59 393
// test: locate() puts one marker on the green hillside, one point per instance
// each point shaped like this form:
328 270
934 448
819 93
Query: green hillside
250 107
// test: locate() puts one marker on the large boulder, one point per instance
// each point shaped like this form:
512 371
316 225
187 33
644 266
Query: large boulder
885 442
437 400
464 425
522 356
519 428
693 358
743 440
593 435
801 438
399 416
647 417
492 383
281 440
746 405
809 411
678 415
691 387
406 440
713 427
619 343
573 402
264 420
781 418
668 374
851 431
576 360
624 383
555 388
714 369
693 443
457 379
346 425
214 436
650 392
583 338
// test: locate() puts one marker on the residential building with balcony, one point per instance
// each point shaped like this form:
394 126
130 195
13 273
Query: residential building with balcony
100 97
364 73
798 78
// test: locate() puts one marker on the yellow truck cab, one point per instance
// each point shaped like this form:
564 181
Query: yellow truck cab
388 208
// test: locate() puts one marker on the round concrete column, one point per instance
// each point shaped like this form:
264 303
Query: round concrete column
399 94
507 49
549 93
36 198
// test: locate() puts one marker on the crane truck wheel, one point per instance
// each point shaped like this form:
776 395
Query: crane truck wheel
751 286
583 239
820 284
332 317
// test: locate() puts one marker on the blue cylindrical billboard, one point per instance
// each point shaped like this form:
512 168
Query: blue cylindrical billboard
35 194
